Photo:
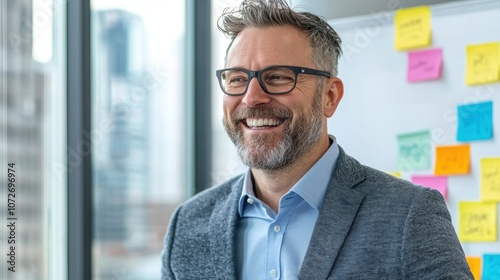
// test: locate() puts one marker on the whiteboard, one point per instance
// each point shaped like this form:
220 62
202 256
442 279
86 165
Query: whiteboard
379 103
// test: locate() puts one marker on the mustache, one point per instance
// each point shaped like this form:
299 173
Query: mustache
261 112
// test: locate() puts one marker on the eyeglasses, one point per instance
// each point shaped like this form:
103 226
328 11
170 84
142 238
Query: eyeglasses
273 79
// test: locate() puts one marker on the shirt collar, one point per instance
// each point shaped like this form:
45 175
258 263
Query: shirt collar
311 187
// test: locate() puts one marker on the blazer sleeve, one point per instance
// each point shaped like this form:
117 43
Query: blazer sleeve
166 270
431 249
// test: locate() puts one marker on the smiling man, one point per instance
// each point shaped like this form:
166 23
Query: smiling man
305 209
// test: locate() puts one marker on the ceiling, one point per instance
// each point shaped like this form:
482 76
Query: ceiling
333 9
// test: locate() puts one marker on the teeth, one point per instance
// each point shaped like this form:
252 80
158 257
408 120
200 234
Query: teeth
262 122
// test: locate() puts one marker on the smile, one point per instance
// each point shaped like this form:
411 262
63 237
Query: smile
262 123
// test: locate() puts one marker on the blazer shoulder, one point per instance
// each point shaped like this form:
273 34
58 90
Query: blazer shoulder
375 183
204 201
359 176
391 186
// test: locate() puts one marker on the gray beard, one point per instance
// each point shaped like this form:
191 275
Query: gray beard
260 152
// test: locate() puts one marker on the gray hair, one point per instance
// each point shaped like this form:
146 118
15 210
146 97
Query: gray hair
267 13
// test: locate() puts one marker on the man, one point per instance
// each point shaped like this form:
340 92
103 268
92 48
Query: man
304 209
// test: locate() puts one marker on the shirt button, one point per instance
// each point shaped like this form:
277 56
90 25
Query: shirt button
273 272
277 228
250 200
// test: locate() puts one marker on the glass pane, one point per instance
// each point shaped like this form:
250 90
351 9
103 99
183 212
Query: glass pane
33 139
138 124
226 164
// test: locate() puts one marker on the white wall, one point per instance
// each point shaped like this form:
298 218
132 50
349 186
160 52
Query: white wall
379 103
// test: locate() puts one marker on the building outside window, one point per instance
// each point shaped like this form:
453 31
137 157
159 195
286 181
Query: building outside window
32 137
138 102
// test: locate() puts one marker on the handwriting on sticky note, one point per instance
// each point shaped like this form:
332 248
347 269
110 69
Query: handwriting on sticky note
490 179
483 64
475 121
412 28
439 183
452 160
424 65
491 268
477 221
414 151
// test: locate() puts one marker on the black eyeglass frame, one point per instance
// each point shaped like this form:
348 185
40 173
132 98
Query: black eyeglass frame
258 74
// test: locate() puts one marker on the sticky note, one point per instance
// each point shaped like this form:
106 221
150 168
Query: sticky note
424 65
475 121
412 28
477 221
490 179
395 173
491 267
475 266
439 183
452 160
482 64
414 151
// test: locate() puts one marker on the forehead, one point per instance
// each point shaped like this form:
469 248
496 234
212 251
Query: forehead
256 48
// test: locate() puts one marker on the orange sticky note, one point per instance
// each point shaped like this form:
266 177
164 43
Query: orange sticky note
452 160
475 267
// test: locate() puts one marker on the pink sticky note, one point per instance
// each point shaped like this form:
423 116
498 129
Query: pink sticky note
424 65
439 183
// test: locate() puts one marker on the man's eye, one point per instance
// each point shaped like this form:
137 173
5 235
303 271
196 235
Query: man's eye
237 80
279 79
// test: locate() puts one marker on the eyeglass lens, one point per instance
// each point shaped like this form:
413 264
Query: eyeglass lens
274 80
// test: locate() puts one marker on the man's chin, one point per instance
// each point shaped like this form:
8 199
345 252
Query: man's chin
264 156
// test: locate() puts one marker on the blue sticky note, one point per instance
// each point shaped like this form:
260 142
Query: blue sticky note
475 121
491 267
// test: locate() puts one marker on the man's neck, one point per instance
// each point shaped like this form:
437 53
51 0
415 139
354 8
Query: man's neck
271 185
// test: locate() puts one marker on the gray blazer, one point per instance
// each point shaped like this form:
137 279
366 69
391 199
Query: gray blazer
371 226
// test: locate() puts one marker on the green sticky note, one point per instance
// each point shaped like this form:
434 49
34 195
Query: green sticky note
414 151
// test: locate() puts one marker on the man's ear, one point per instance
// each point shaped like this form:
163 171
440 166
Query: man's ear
333 96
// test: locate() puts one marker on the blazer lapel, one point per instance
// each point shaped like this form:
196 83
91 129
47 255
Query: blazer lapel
336 216
222 230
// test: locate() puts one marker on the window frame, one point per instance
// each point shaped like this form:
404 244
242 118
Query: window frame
79 163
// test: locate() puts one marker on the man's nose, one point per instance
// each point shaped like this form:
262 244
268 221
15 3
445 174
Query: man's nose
255 94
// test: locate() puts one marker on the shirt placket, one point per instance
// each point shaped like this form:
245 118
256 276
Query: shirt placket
275 235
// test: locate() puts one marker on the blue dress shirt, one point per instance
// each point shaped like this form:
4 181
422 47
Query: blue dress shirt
273 245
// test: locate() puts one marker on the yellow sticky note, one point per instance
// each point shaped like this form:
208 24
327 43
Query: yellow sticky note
452 160
475 267
477 221
412 28
395 173
483 64
490 179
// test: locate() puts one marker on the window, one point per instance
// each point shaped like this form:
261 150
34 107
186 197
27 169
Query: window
139 125
33 137
226 164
